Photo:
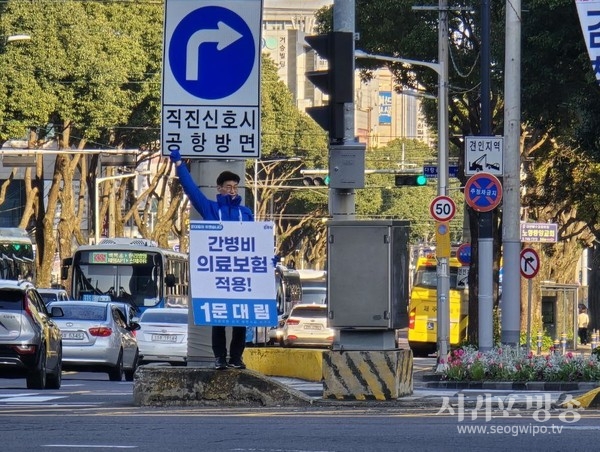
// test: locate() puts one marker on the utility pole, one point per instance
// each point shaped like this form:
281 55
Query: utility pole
443 262
511 212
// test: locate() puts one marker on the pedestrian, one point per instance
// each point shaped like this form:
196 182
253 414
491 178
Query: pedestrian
583 319
227 207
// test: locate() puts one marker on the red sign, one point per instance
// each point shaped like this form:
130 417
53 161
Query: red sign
530 263
483 192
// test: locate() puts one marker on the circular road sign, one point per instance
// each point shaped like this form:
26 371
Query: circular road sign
530 263
463 254
442 208
483 192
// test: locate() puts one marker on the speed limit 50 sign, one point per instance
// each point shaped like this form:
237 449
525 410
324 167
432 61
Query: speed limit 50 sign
442 208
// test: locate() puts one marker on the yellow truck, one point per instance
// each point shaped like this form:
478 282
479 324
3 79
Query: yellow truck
422 306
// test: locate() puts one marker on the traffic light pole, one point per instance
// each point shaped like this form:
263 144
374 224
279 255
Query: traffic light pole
342 202
443 262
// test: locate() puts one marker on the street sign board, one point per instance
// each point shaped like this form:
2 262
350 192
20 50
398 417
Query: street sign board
463 253
530 263
442 208
539 232
211 78
483 154
431 171
483 192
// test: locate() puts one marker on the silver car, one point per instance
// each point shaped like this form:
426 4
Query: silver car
163 336
30 342
97 337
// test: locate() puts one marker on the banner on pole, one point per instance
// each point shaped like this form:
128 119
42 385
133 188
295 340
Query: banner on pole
589 18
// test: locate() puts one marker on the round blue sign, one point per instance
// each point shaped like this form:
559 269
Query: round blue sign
212 52
463 254
483 192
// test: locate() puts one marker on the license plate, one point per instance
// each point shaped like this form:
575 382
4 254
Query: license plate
311 326
73 335
164 338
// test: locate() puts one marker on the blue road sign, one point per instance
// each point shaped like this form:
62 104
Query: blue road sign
483 192
211 78
431 171
212 52
463 254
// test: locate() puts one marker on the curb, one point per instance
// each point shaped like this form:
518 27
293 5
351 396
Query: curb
565 386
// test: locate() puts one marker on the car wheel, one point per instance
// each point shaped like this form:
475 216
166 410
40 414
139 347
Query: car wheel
116 373
36 379
130 372
54 380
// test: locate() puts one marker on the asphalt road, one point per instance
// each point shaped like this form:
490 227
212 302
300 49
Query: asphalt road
91 413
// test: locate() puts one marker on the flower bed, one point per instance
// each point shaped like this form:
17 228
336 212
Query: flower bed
513 364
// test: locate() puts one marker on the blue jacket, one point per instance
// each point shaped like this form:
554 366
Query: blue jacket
225 208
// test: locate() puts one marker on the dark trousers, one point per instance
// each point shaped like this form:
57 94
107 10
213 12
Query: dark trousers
583 335
237 345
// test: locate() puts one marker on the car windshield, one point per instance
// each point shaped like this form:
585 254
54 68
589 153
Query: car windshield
309 312
164 317
48 297
82 312
313 296
10 296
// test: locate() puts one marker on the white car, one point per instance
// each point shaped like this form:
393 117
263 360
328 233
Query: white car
50 295
163 336
307 326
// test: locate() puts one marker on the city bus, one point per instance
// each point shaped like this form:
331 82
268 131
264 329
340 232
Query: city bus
16 255
422 306
134 271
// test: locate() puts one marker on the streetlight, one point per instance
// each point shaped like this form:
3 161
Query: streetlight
97 183
443 287
14 38
255 185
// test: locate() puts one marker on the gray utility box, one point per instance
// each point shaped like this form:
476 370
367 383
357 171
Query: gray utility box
368 274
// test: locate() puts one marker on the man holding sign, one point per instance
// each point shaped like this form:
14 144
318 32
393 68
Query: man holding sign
227 207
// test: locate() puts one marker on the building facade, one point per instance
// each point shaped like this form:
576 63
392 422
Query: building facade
382 113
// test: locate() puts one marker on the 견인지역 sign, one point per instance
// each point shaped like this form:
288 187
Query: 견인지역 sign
483 192
211 78
483 154
530 263
232 274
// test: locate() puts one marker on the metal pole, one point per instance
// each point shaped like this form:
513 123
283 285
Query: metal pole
255 188
443 267
529 290
511 211
485 240
342 202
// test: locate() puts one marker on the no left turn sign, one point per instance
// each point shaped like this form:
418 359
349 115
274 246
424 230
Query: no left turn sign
530 263
442 208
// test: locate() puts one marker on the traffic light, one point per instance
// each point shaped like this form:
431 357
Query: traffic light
412 180
317 181
337 48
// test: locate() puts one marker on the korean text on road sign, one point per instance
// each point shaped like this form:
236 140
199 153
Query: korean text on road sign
211 78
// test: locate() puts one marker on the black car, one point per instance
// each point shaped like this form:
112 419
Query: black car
30 342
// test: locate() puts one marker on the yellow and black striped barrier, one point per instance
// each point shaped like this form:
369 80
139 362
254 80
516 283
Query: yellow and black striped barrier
367 375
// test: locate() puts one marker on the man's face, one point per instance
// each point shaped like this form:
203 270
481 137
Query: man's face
229 187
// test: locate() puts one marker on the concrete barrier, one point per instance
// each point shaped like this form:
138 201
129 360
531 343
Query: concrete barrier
367 375
306 364
196 386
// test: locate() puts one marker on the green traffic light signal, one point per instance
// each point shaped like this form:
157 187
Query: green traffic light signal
410 180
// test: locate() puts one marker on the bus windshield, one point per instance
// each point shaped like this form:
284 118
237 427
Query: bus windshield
133 277
16 254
